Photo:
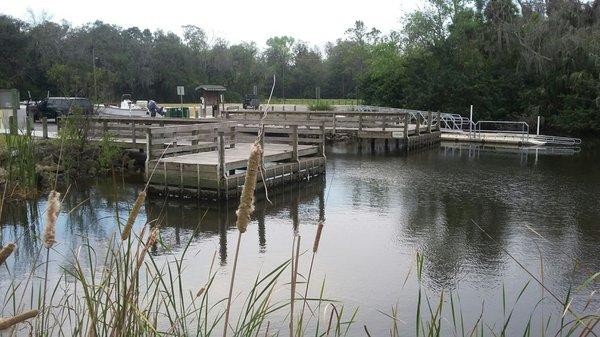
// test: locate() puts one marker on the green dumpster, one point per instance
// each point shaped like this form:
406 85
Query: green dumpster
181 112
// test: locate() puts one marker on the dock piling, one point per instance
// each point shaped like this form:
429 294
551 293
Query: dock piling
44 127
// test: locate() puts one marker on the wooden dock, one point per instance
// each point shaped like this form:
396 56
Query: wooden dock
208 158
207 161
398 129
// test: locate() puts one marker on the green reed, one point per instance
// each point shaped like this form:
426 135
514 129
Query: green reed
20 162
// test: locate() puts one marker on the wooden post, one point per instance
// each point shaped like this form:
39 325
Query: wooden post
360 122
57 121
322 139
221 149
133 133
294 143
429 121
104 126
44 127
406 124
12 125
334 122
29 125
439 121
148 153
418 126
262 143
232 129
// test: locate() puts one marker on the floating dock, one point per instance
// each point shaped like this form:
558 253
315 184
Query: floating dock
207 161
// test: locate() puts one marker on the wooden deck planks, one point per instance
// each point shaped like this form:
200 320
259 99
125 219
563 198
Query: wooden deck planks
240 153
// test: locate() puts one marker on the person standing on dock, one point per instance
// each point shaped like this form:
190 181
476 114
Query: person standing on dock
153 108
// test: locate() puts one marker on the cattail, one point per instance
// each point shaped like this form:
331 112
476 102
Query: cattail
151 241
8 322
133 215
52 210
6 251
246 206
318 237
200 292
153 237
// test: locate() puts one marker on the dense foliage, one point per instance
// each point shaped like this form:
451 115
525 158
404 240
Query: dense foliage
511 60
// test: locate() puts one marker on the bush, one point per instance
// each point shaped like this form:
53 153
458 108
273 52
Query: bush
320 106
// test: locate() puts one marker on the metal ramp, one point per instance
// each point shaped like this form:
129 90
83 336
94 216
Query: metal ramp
463 127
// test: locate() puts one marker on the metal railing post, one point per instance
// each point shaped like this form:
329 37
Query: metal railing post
429 121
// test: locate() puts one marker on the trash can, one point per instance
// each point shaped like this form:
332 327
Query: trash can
181 112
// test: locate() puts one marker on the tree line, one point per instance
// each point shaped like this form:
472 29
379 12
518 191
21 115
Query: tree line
510 59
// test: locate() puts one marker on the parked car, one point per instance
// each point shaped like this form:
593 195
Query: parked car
53 107
251 101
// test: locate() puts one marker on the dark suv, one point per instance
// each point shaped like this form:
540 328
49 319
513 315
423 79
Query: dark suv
251 102
52 107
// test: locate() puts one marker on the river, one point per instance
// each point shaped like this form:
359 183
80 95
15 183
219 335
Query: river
485 220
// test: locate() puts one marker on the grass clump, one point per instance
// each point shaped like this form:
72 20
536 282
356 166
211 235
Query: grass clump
20 164
320 106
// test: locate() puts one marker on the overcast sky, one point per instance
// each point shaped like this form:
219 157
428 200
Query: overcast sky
313 21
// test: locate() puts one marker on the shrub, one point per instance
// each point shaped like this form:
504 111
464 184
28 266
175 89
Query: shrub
320 106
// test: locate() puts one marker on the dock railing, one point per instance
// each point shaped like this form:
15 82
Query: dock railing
176 140
126 131
345 120
518 130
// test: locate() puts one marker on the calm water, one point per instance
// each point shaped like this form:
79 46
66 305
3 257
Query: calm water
379 211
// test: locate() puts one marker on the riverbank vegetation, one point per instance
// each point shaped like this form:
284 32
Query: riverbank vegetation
30 165
510 59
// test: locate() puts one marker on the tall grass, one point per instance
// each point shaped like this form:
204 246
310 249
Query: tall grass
20 162
126 291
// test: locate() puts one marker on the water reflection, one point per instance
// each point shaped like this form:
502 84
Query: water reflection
183 218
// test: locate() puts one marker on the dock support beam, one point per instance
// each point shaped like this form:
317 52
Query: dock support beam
294 143
322 140
148 153
221 169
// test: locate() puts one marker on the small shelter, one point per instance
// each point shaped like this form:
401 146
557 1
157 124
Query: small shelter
211 97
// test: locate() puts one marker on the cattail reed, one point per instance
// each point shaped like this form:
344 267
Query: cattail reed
52 210
133 215
318 237
246 206
8 322
7 251
243 213
200 292
151 241
312 261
